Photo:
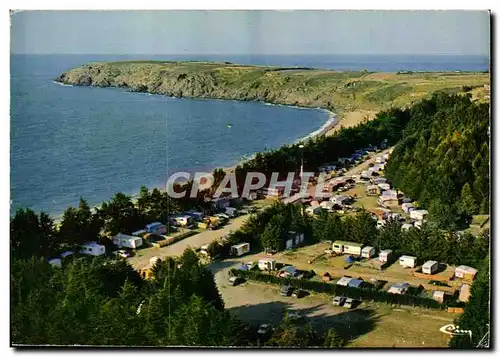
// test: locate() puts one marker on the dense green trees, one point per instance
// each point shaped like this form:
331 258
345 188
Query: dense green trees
428 243
32 235
467 203
80 225
268 228
443 158
271 239
333 339
35 234
102 302
120 215
361 228
292 333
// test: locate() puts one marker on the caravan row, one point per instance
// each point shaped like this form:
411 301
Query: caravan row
430 267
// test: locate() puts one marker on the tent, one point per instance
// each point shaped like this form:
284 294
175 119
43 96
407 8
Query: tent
355 283
349 259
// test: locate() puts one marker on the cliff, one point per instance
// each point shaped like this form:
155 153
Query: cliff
340 92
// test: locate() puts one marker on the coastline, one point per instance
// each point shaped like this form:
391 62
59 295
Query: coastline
331 122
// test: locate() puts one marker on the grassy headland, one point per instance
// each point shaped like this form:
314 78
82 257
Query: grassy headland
340 92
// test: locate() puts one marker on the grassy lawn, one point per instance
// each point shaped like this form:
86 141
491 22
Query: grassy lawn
405 328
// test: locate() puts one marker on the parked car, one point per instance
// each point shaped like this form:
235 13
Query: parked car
286 290
251 265
350 303
235 280
264 329
223 217
121 253
338 300
299 293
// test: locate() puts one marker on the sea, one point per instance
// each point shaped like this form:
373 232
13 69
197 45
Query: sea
69 142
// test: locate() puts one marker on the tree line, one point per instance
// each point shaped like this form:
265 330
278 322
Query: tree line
33 234
443 159
268 230
104 302
97 301
427 243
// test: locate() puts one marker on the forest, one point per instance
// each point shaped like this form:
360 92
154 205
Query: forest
100 302
443 159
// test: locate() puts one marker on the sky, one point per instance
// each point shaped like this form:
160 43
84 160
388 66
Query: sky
251 32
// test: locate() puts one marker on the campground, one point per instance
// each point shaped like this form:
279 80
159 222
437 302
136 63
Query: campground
369 325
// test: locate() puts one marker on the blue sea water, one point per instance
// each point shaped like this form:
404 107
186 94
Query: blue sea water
68 142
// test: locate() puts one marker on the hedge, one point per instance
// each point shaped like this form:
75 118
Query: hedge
355 293
182 236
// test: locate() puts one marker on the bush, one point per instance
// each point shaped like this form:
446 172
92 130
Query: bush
182 236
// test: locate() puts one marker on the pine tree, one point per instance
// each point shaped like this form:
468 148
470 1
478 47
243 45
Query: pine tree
389 236
333 339
444 215
271 237
24 234
292 334
467 203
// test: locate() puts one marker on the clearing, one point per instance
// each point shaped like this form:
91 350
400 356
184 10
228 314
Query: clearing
369 325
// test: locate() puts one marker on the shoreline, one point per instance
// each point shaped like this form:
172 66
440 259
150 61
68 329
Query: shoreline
331 122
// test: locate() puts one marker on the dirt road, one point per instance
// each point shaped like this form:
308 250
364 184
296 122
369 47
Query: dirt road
141 260
354 170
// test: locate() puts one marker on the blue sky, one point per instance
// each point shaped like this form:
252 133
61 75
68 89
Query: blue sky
251 32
